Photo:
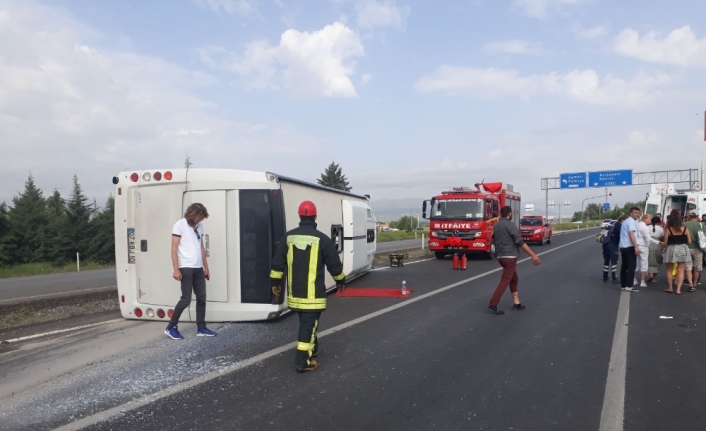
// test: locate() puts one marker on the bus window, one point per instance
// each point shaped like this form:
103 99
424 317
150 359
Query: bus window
261 225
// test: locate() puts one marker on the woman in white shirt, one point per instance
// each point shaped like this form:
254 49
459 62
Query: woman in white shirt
654 261
644 239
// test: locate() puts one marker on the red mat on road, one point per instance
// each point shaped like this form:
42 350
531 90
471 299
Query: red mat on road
373 292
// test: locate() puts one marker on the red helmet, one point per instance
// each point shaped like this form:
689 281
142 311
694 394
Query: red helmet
307 209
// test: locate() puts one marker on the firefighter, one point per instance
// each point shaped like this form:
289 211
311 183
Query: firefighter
302 253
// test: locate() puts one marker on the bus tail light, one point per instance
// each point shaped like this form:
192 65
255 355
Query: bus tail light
160 313
170 313
122 298
146 176
138 312
120 191
168 175
134 177
150 313
157 176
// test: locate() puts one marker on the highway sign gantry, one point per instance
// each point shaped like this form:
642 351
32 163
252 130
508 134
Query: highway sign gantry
576 180
621 177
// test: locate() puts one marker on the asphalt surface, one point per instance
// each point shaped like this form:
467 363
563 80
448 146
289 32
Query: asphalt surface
43 286
437 362
47 286
401 245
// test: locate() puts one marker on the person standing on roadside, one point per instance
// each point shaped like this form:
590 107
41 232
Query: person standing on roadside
644 239
655 254
693 269
304 253
677 239
190 268
508 242
629 251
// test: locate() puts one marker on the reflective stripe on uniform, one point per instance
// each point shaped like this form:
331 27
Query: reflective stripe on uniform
306 304
307 347
276 274
339 277
313 263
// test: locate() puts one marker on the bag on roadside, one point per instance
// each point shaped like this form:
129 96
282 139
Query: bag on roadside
702 240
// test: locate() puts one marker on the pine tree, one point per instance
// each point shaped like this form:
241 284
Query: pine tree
78 217
334 178
27 217
56 204
102 245
6 247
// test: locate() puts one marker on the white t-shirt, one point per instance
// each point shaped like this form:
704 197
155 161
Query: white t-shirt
189 249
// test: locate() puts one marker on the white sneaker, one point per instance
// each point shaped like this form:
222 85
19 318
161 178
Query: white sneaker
643 284
630 289
634 282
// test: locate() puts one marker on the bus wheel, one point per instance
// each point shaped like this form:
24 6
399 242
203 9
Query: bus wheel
439 254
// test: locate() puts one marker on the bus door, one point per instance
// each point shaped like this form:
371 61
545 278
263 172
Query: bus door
355 236
214 240
156 209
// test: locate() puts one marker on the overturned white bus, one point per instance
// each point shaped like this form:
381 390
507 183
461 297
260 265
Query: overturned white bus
248 213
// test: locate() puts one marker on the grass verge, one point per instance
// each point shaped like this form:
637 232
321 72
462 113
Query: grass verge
560 227
398 235
45 310
45 268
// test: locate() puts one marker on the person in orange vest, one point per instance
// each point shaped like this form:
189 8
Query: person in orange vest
302 253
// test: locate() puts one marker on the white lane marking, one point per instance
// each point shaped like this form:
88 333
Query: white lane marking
613 413
147 399
60 331
59 294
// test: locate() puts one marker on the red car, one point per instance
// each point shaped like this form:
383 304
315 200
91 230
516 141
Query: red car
536 229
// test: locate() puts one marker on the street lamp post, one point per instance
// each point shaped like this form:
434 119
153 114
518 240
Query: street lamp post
582 202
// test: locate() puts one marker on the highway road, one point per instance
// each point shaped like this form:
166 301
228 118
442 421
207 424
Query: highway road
46 286
583 356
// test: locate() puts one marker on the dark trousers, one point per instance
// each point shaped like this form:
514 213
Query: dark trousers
192 279
610 260
509 278
307 342
627 266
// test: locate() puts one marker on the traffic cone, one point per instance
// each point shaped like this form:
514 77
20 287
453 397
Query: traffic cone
455 261
463 261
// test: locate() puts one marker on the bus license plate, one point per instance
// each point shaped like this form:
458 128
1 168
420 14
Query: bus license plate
131 245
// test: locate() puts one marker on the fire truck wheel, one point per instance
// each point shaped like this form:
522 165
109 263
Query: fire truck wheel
439 254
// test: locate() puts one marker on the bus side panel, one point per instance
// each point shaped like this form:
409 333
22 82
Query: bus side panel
156 209
214 241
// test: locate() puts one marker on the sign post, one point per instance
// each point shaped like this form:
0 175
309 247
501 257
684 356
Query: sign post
576 180
610 178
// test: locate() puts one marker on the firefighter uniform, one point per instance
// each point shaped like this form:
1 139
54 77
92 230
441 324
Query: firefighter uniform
302 254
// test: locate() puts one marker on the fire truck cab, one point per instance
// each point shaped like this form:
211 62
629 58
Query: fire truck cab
462 220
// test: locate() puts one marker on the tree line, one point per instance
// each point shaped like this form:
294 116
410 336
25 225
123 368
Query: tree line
37 229
593 211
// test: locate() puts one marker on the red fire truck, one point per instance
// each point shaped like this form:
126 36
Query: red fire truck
462 219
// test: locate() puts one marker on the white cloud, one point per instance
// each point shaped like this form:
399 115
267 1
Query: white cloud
307 64
447 163
539 8
590 33
681 47
583 86
242 7
68 106
207 53
642 138
515 46
385 13
495 153
365 78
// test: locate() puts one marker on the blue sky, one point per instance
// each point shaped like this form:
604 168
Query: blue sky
410 97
